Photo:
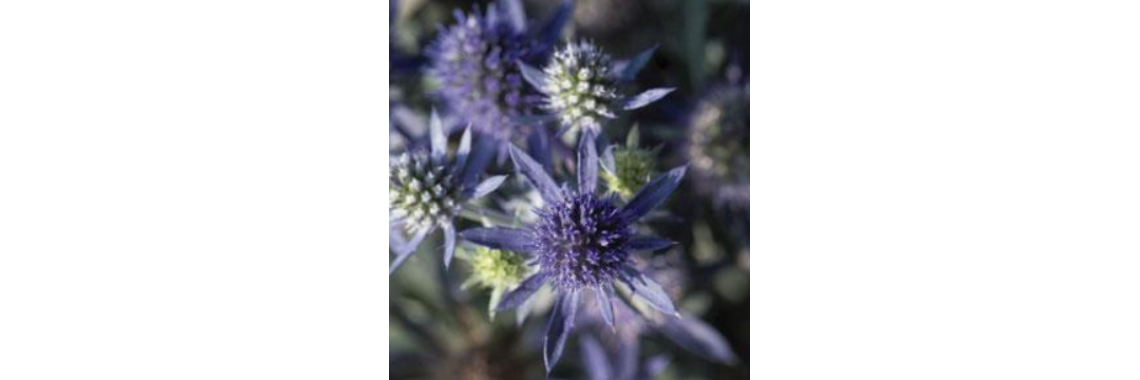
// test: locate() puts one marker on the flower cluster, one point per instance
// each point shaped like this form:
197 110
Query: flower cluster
570 235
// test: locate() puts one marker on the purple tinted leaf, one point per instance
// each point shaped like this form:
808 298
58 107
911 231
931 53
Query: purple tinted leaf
648 290
553 28
487 186
407 250
509 239
534 76
438 139
604 295
587 164
522 293
645 98
597 363
448 244
653 193
536 175
648 243
699 338
630 69
558 328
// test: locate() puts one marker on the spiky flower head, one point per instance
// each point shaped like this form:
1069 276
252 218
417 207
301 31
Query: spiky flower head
582 86
718 146
627 168
497 270
426 191
427 195
581 241
475 61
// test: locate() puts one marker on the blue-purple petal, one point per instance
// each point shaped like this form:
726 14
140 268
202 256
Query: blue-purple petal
522 293
464 149
653 193
595 357
630 69
699 338
604 299
645 98
559 327
587 164
438 139
536 175
510 239
487 186
448 244
552 30
534 76
648 243
647 290
403 253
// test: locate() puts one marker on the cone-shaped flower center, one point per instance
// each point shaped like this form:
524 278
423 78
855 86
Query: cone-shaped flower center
426 194
581 241
580 87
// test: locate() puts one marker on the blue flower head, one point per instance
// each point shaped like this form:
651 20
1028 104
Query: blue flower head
581 86
427 191
582 242
718 146
475 64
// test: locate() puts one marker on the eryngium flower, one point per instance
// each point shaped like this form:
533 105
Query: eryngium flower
427 191
718 146
475 63
581 86
626 169
581 242
497 270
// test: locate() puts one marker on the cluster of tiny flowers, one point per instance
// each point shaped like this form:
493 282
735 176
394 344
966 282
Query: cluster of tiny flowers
718 146
581 241
580 87
633 168
428 195
495 268
474 63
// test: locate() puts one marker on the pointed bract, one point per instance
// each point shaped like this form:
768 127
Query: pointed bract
509 239
522 293
559 327
648 290
604 295
587 164
532 75
648 243
536 175
448 244
645 98
552 30
630 68
655 192
487 186
438 139
699 338
407 250
596 359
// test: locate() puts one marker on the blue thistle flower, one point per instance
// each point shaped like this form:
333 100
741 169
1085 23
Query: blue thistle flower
427 191
717 146
581 86
475 63
581 242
